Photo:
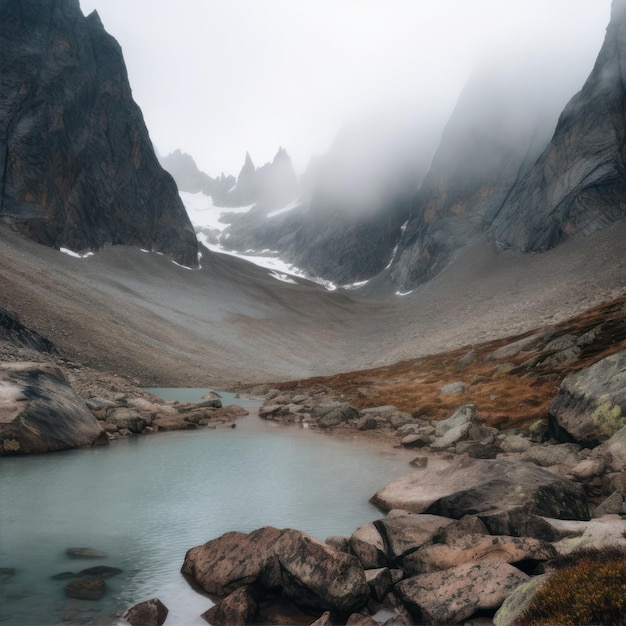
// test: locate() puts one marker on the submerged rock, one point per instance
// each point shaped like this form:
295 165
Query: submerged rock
86 588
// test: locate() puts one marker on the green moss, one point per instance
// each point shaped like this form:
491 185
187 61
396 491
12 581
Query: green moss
11 445
609 417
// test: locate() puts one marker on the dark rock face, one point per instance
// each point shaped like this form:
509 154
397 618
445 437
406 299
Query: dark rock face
497 129
40 412
77 168
578 185
11 329
591 405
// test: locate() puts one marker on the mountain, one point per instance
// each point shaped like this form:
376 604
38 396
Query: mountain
186 173
578 184
77 168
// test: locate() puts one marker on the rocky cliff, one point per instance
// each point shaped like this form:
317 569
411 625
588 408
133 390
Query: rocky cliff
578 184
77 168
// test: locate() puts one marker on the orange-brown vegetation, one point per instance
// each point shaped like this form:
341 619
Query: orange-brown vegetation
511 388
588 587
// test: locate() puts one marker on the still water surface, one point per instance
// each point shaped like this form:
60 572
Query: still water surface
145 500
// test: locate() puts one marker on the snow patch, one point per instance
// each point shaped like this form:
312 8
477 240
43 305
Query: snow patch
283 278
289 207
76 255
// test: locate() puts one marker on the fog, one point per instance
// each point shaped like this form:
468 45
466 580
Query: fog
217 79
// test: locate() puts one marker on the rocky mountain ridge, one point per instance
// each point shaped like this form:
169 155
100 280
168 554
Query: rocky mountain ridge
77 168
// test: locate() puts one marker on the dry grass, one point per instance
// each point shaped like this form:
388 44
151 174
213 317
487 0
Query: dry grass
510 390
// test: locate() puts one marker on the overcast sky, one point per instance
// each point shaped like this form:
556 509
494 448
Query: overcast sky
218 78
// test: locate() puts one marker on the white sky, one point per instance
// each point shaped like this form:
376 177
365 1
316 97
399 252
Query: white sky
217 78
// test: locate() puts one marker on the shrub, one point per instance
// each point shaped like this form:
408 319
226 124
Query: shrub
588 587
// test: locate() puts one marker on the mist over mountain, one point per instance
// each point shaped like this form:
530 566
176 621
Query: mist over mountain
77 168
578 184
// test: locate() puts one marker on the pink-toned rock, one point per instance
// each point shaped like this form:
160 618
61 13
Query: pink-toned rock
451 596
307 571
474 548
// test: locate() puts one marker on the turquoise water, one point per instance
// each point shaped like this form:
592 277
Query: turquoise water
145 500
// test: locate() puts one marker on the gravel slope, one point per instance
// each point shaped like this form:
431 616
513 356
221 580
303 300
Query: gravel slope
138 315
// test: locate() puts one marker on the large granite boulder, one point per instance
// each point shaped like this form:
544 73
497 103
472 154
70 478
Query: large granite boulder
40 412
236 609
308 572
77 167
451 596
502 493
591 404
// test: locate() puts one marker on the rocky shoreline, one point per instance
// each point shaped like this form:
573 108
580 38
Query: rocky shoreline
471 535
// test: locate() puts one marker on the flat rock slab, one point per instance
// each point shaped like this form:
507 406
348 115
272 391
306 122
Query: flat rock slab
493 489
454 595
40 412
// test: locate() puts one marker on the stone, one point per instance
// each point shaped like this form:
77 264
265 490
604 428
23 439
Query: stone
613 452
591 404
86 588
341 414
613 505
78 169
416 441
497 490
367 544
454 389
358 619
402 534
462 418
127 418
379 581
307 571
451 596
236 609
85 553
367 423
339 543
473 548
458 529
149 613
521 598
596 533
514 443
40 412
172 422
548 455
104 571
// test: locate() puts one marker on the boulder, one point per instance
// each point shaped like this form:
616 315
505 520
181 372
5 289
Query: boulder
591 404
40 412
86 588
236 609
379 581
596 533
307 571
358 619
473 548
613 451
367 544
405 533
451 596
548 455
323 620
149 613
125 417
501 492
341 414
613 505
